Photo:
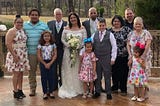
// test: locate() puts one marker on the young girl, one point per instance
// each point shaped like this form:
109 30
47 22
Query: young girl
137 75
47 54
87 69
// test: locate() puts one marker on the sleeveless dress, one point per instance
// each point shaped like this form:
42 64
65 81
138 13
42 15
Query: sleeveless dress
137 75
71 85
86 72
19 47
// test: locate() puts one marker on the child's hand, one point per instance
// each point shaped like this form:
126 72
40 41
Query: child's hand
112 62
48 65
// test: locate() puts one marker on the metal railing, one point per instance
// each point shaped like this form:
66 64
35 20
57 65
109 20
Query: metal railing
155 46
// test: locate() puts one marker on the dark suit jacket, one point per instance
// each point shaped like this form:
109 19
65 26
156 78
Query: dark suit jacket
57 35
86 24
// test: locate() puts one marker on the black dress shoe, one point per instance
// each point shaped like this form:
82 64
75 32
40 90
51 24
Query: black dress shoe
96 95
123 93
45 96
109 96
52 96
21 93
103 90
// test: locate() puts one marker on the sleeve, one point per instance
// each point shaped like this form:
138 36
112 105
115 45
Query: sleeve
129 36
148 35
84 33
63 39
39 46
114 47
82 51
54 45
93 57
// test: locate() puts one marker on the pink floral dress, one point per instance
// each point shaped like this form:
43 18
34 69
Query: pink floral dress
137 75
86 71
19 47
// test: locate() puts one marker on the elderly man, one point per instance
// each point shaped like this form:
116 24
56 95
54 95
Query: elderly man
56 26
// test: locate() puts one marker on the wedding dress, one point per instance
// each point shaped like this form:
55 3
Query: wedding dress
71 85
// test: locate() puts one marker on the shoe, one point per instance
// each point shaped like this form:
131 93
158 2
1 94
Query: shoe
21 93
103 90
109 96
115 91
84 96
90 95
45 96
52 96
96 95
32 94
17 95
123 93
140 99
134 98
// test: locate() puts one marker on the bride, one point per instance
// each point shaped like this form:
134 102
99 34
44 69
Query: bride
71 85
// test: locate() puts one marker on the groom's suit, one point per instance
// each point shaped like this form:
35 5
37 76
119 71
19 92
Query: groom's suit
57 35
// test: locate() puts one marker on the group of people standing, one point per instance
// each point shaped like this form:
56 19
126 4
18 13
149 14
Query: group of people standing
78 67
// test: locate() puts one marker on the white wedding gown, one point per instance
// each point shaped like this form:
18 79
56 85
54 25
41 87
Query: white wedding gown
71 85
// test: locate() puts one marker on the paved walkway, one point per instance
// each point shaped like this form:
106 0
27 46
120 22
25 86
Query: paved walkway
6 96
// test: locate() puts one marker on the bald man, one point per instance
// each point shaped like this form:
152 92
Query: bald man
91 23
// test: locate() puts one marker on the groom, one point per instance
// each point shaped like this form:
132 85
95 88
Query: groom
56 26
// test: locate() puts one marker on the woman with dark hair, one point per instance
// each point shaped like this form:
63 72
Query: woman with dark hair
72 38
120 68
17 57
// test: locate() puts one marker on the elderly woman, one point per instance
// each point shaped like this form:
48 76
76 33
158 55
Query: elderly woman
16 59
142 36
120 68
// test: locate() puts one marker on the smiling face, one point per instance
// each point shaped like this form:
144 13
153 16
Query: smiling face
18 23
129 15
73 19
47 37
92 13
138 24
88 47
58 14
116 23
34 17
101 26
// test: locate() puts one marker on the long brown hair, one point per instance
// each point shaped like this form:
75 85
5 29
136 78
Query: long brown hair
42 41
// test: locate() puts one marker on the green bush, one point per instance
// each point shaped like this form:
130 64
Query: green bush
149 11
8 24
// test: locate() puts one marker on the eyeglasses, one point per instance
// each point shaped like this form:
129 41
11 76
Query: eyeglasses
19 22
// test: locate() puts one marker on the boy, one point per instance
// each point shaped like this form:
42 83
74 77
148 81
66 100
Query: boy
105 49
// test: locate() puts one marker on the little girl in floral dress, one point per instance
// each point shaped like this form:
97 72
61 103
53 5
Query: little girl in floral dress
137 75
87 68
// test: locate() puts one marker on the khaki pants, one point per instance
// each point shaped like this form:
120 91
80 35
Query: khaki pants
32 72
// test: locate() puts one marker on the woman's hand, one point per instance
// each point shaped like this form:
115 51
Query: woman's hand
15 59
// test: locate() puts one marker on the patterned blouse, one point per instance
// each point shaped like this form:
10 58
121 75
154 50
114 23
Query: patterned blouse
47 51
121 40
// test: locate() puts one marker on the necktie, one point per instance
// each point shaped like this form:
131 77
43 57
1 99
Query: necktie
58 27
100 35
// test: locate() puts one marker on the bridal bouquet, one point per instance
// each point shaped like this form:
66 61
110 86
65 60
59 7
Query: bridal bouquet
74 43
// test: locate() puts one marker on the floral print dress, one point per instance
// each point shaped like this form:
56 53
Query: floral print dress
19 47
86 71
137 75
133 39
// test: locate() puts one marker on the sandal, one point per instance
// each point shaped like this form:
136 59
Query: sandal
84 96
90 95
134 98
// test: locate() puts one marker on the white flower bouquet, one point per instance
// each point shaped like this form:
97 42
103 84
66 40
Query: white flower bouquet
74 44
